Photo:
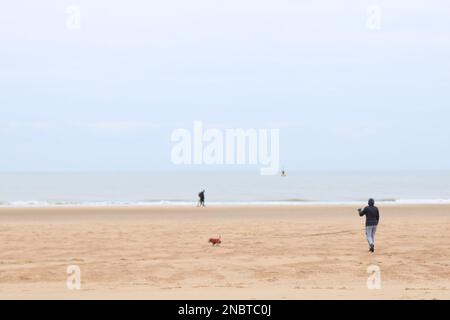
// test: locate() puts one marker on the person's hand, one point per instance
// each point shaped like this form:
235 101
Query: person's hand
359 210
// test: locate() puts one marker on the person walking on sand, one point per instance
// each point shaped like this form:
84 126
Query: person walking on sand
372 218
201 201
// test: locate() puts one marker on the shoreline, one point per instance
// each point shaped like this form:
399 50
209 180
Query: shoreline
230 204
222 207
130 214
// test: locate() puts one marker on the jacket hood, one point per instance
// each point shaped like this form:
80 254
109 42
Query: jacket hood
371 202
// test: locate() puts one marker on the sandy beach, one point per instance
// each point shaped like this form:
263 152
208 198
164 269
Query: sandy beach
268 252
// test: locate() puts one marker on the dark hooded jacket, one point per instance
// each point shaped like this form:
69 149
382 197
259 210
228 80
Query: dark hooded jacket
372 214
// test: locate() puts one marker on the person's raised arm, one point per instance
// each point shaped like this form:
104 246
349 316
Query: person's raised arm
362 212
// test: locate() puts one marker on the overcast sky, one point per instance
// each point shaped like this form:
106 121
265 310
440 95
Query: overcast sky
345 95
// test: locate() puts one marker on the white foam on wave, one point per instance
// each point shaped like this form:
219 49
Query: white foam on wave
45 204
422 201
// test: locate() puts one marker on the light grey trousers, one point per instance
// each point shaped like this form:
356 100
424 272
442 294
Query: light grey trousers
370 234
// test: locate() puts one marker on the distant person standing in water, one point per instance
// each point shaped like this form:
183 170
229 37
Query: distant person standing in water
201 201
372 218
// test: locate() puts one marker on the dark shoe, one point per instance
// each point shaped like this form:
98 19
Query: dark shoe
372 249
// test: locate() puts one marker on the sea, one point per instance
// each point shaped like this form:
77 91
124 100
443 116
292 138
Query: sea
27 189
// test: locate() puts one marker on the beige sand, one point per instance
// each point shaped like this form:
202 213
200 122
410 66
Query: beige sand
270 252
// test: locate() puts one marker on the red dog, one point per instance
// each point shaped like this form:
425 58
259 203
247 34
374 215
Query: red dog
215 241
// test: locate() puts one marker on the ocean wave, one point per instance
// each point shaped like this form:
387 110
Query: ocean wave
143 203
